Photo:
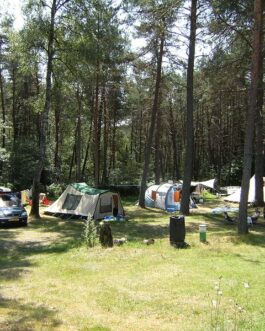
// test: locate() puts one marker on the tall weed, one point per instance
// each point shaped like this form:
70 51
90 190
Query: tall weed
90 233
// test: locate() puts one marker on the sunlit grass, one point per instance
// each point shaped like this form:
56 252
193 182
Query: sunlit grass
49 280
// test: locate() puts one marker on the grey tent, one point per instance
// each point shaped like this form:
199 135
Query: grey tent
81 200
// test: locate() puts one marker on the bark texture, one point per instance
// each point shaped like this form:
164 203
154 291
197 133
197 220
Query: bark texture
251 115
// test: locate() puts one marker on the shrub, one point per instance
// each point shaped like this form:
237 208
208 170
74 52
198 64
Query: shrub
90 232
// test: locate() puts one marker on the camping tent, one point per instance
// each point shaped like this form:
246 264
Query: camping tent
80 200
167 196
164 196
235 197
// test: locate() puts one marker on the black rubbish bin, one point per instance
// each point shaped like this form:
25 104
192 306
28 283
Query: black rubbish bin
177 230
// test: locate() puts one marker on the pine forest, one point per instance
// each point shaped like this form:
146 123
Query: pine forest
131 92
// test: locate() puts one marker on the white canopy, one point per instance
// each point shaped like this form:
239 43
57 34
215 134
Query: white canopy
235 197
208 183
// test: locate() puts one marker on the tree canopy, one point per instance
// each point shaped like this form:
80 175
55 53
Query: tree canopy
77 95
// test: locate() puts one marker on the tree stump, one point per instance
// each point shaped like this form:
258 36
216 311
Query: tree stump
105 235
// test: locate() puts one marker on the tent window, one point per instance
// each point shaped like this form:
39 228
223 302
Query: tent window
71 201
176 196
105 205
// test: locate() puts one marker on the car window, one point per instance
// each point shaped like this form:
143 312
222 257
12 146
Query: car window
7 200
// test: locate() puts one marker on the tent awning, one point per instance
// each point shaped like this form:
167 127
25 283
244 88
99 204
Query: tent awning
84 188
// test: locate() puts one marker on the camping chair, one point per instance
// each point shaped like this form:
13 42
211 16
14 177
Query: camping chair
255 216
228 219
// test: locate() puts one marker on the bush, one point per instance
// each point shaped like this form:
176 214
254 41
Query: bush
90 232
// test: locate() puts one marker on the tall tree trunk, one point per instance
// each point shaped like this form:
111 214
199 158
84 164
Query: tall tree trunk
140 138
251 115
73 158
3 116
14 117
78 138
152 123
57 116
259 158
71 164
106 140
100 114
96 132
34 212
14 106
87 150
185 200
173 134
112 164
97 123
158 165
3 106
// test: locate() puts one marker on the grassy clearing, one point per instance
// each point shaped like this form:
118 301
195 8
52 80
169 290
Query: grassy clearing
49 280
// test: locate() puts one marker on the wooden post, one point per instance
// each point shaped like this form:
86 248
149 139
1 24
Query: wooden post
105 235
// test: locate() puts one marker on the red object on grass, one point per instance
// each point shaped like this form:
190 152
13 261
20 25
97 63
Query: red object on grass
45 202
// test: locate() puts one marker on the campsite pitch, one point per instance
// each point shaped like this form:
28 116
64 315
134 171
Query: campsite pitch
51 281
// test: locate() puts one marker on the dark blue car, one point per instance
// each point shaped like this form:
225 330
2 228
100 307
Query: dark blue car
11 210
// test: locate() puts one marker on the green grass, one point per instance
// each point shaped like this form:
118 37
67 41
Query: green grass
49 280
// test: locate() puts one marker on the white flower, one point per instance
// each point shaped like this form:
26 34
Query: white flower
246 285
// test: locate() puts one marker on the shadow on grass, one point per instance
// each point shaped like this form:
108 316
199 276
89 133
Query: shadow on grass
147 213
252 238
17 245
68 227
135 231
143 223
26 317
12 268
46 236
12 262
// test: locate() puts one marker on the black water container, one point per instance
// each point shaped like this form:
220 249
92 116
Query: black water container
177 230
